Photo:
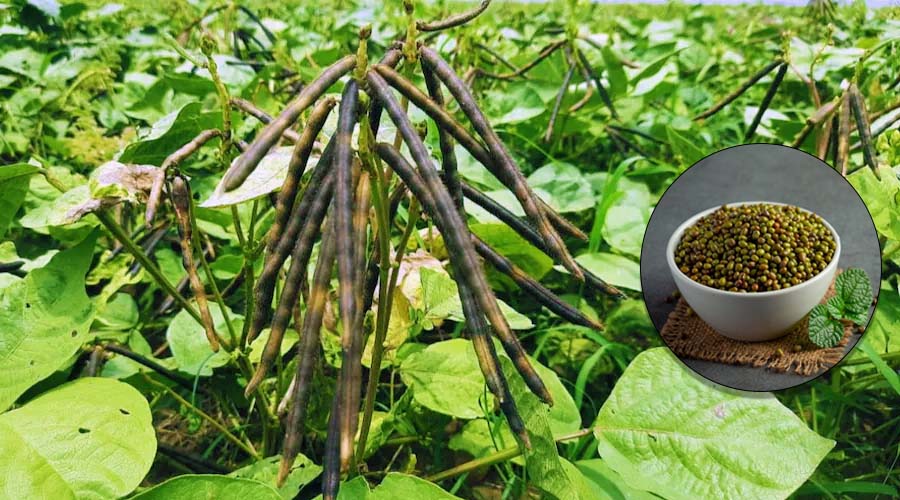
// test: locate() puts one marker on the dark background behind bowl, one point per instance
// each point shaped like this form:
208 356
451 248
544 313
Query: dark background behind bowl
755 172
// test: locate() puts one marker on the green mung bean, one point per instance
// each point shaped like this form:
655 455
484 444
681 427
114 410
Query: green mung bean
755 248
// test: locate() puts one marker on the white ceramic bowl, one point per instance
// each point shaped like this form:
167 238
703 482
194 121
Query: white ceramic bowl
751 316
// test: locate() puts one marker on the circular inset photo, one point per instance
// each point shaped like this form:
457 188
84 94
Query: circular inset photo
760 267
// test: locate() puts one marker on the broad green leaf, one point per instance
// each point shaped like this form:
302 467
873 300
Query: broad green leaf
881 199
480 438
14 191
61 211
17 170
187 340
90 438
268 177
290 338
615 73
396 485
508 243
662 424
303 472
170 133
446 378
625 226
209 486
883 333
606 483
44 319
685 149
515 103
567 189
546 470
441 299
614 269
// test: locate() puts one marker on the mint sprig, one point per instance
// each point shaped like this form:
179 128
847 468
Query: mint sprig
851 302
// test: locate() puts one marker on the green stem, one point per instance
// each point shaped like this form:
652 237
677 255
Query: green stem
247 447
497 457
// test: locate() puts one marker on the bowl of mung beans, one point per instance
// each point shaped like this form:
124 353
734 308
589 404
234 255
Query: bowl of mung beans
752 270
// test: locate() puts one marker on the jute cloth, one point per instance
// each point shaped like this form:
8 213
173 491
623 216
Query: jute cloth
689 336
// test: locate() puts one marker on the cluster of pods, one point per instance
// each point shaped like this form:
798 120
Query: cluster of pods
334 207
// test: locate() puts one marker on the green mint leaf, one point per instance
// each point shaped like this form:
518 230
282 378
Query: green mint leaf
824 330
836 306
855 290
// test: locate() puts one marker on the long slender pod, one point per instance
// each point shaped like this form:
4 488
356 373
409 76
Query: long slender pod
823 113
740 90
842 155
372 271
181 200
479 330
454 20
604 95
858 106
529 233
320 184
546 52
247 162
170 161
351 363
455 234
296 167
306 353
557 104
448 155
252 110
767 100
544 296
343 220
293 283
331 466
446 122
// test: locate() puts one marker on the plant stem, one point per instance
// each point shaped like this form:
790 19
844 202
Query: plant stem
497 457
247 447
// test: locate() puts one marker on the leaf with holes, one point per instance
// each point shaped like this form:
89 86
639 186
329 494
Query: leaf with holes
44 319
92 438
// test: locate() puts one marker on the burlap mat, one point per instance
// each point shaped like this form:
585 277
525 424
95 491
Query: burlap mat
689 336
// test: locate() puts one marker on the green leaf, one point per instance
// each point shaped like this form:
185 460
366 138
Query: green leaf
446 378
187 340
14 191
90 438
441 299
615 73
481 438
516 103
662 424
606 483
855 290
882 333
567 190
170 133
303 472
546 470
684 148
17 170
508 243
614 269
208 486
44 319
881 198
824 329
291 337
396 485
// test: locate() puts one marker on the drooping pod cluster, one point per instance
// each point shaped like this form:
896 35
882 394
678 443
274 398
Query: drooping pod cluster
338 196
